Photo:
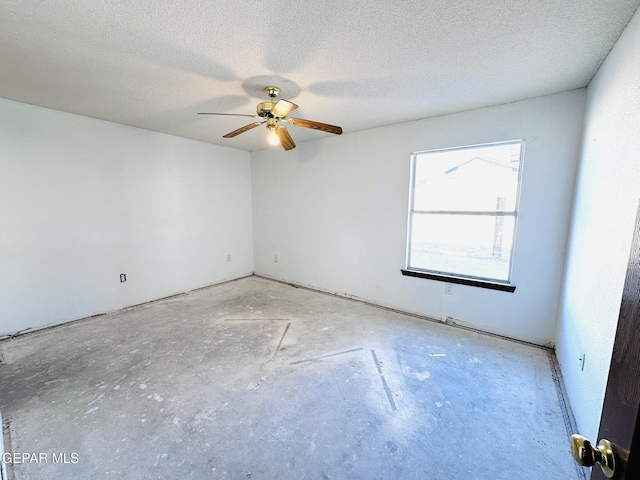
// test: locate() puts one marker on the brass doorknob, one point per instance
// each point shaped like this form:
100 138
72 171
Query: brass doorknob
586 455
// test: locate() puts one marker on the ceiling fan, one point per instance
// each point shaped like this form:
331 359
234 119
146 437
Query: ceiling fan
275 113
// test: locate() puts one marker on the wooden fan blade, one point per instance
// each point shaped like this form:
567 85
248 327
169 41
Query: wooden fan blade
242 129
299 122
283 108
285 138
229 114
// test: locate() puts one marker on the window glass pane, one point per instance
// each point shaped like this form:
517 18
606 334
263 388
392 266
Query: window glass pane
482 178
467 245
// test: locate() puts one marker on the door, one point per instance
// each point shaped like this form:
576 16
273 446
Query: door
620 419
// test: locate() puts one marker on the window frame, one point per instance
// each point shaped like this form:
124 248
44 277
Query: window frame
471 280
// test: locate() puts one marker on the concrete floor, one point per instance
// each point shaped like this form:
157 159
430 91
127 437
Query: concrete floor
256 379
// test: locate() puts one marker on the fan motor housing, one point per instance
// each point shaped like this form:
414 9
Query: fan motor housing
264 109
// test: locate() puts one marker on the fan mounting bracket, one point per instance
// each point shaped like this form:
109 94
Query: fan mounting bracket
272 91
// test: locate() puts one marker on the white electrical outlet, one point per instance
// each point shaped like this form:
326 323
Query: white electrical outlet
448 289
275 258
228 258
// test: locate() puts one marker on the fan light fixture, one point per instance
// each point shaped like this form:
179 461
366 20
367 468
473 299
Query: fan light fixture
272 138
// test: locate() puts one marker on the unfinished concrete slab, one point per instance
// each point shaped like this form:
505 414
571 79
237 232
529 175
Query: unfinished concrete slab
257 379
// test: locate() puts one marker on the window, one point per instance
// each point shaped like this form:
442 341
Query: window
463 211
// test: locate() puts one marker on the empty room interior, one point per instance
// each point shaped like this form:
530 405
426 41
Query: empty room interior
312 240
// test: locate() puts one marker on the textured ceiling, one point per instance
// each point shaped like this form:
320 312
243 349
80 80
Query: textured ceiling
359 64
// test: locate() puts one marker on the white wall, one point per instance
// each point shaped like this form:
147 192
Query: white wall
83 200
607 194
334 210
